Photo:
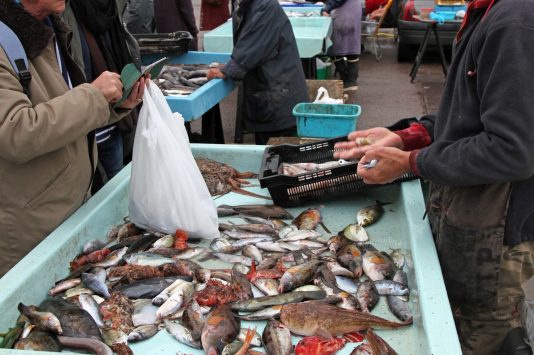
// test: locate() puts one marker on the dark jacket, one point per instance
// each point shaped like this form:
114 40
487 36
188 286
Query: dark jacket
483 131
265 57
176 15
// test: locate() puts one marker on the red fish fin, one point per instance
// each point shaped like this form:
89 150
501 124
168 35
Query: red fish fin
353 337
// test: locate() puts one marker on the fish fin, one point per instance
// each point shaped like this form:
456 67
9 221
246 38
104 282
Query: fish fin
208 256
324 227
383 203
248 193
323 333
246 175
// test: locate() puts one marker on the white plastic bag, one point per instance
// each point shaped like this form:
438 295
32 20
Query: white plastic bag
323 97
167 191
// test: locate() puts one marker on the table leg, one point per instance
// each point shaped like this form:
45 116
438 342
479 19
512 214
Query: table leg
309 66
212 130
444 64
420 53
238 136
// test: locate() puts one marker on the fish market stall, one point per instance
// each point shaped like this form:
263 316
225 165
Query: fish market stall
296 10
401 227
203 102
311 33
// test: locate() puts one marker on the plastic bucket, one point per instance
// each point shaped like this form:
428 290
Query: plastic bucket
326 120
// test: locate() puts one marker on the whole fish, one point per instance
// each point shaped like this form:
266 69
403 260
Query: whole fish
298 276
350 256
346 284
348 301
284 231
238 234
267 286
301 234
277 300
262 314
338 270
143 332
143 258
222 245
367 295
148 288
305 244
355 232
251 241
46 321
232 348
370 214
258 228
93 283
190 253
271 246
399 308
88 303
93 245
277 338
390 287
401 277
336 242
397 257
166 293
231 259
309 219
113 258
321 319
221 328
179 295
377 266
263 211
64 285
167 241
182 334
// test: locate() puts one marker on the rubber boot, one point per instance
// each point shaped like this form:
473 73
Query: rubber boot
514 343
350 82
341 67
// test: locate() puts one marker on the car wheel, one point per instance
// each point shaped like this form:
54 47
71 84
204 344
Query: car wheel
405 52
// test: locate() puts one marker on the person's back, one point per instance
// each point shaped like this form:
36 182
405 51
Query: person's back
176 15
266 52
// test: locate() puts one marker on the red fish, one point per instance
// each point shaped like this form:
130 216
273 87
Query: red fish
274 273
94 257
319 346
216 293
180 240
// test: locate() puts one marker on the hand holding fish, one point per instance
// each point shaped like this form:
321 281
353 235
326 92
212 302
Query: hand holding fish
392 163
215 73
360 142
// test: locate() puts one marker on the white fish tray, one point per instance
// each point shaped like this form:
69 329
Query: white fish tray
401 227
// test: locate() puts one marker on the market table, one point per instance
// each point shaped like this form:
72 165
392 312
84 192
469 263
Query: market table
203 102
311 34
402 227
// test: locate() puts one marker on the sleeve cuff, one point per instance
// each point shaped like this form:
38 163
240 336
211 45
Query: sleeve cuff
234 70
414 137
413 161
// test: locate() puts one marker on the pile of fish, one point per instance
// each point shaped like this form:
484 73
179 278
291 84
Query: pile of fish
183 79
315 13
280 269
294 169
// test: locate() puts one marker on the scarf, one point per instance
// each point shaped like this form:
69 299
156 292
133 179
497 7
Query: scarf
474 6
101 18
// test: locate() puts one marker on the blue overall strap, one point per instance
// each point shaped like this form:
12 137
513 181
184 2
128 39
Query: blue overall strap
16 55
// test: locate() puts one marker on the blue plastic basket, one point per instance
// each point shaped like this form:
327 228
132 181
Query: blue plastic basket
326 120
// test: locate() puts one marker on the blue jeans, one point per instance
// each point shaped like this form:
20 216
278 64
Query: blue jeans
110 154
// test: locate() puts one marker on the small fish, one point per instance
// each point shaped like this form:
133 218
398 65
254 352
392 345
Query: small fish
222 245
401 277
143 332
221 328
64 285
144 312
338 270
255 304
244 242
231 259
336 242
113 258
255 338
298 276
367 296
350 256
46 321
232 348
399 308
239 234
179 295
391 288
370 214
93 283
194 319
267 286
377 266
167 241
398 258
143 258
346 284
182 334
301 234
148 288
262 314
252 252
284 231
309 219
277 338
263 211
377 344
88 303
259 228
348 301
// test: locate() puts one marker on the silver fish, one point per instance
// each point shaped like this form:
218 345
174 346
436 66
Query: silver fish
143 332
370 214
231 259
182 334
267 286
356 233
88 303
143 258
256 339
190 253
262 314
113 258
346 284
301 234
392 288
64 286
277 338
179 295
222 245
399 308
167 241
252 252
144 312
93 283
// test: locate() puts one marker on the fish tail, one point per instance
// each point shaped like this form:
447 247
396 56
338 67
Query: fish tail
248 193
383 203
246 175
248 340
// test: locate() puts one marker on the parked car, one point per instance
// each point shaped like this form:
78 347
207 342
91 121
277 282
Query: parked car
411 31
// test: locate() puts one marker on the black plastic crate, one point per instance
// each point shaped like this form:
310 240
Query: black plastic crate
172 43
290 191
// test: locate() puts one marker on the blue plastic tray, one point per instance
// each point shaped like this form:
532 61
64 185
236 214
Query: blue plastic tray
193 106
326 120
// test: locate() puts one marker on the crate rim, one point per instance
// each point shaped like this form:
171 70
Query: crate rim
311 114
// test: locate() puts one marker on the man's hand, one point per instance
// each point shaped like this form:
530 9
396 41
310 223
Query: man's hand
136 95
361 142
215 73
391 163
110 86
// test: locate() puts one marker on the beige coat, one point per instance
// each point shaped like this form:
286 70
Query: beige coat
47 153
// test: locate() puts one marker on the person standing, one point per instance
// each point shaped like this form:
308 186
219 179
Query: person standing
476 151
346 40
139 16
47 150
265 57
176 15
